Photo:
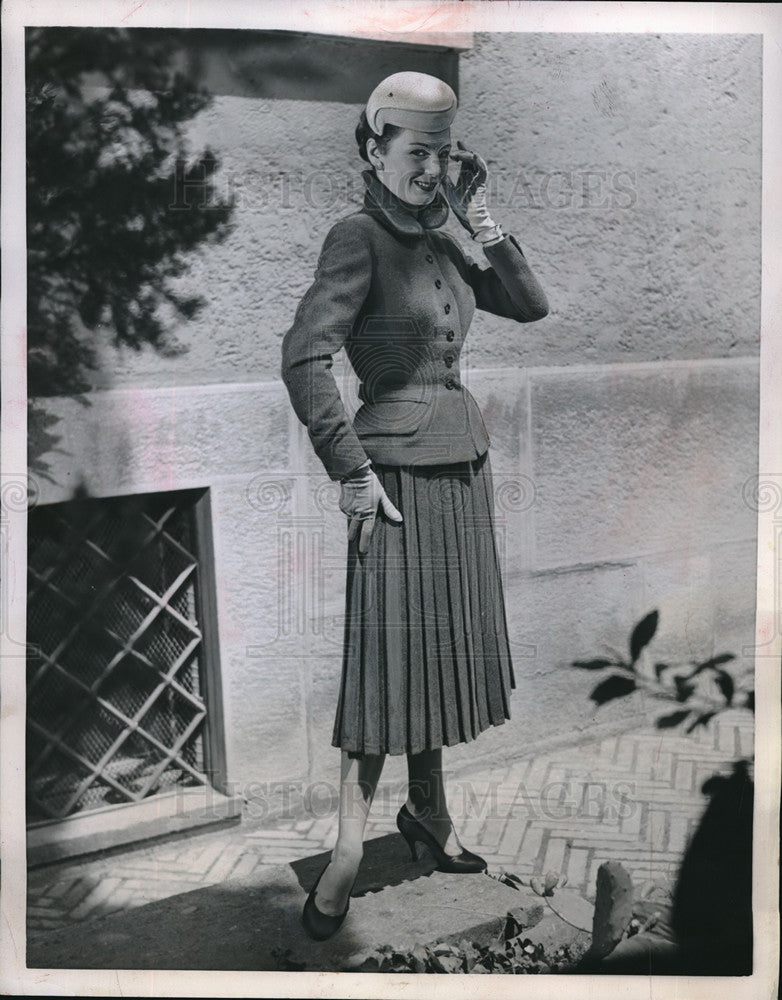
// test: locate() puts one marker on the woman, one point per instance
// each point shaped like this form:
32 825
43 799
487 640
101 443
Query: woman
426 661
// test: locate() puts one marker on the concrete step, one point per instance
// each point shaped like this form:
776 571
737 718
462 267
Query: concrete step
252 923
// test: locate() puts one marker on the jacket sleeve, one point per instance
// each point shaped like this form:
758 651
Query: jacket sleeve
323 321
508 287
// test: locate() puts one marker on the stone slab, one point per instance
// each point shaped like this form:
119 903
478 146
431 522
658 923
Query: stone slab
252 923
103 829
158 439
642 459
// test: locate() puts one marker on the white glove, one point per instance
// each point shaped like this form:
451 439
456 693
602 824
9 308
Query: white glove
360 495
467 197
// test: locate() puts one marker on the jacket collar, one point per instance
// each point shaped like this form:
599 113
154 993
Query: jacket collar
392 212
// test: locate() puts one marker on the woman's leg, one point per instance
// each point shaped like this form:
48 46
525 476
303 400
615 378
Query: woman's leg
358 781
426 797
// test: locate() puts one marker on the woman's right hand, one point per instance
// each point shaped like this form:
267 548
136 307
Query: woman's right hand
467 197
360 495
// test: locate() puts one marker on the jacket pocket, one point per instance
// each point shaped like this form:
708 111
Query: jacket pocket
390 417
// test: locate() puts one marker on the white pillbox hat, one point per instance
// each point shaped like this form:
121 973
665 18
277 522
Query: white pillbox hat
411 100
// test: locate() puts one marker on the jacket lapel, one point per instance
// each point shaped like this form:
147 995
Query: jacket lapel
391 211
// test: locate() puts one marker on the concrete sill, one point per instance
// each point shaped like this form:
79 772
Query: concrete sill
115 826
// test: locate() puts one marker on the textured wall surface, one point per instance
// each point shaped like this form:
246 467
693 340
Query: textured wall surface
624 425
618 490
627 166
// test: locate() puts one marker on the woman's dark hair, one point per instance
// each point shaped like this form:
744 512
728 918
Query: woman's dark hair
364 132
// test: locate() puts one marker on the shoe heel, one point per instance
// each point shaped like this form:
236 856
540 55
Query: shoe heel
418 837
421 852
412 845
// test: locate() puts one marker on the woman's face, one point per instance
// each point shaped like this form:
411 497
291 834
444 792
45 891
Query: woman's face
413 165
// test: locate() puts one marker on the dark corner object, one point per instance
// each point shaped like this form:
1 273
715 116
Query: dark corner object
288 65
711 918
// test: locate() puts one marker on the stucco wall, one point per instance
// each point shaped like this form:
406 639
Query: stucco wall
618 489
623 426
627 166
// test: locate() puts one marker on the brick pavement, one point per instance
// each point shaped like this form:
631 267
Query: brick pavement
634 798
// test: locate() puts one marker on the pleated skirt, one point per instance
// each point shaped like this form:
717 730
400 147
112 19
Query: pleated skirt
426 659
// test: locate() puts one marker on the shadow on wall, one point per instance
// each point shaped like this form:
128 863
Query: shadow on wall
113 206
702 689
42 439
108 172
298 66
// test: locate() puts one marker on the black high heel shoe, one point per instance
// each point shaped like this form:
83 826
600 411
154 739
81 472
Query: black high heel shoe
415 832
318 925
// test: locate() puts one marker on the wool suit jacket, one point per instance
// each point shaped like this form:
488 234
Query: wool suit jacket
399 296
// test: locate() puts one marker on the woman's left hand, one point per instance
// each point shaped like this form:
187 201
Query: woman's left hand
467 197
360 496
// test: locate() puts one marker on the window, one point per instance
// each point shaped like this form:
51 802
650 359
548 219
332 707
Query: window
122 690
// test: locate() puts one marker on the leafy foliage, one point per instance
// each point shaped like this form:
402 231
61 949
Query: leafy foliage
113 206
516 955
706 687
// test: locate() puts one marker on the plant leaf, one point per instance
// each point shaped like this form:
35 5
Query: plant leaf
669 721
537 885
749 701
642 634
418 959
683 688
598 664
615 686
550 881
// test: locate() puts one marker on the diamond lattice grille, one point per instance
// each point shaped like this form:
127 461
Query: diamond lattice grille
115 710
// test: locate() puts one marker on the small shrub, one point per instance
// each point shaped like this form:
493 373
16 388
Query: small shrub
516 955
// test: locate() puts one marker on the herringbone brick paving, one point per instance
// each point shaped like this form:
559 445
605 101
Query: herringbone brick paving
633 798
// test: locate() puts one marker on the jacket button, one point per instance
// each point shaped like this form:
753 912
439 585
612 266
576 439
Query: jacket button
449 335
438 283
447 307
430 258
450 383
448 360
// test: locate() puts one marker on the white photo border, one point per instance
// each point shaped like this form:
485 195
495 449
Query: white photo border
393 21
